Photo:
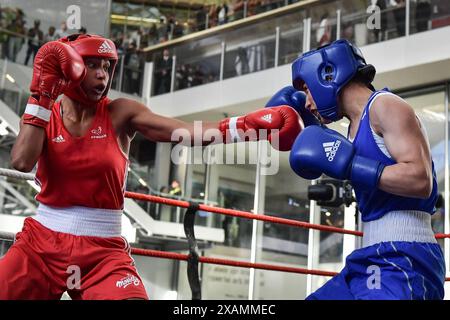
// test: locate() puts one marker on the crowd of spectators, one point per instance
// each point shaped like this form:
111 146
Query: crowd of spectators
14 35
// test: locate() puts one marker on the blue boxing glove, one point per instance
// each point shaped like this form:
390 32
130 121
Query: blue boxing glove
323 150
296 99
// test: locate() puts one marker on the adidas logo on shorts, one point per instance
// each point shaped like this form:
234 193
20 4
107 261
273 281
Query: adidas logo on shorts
331 148
105 48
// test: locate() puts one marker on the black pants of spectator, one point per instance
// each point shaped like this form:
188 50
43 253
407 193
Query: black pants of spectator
31 49
400 16
163 85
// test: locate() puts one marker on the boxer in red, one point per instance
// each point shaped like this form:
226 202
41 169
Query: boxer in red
80 145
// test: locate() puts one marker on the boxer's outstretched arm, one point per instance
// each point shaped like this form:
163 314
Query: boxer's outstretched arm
396 121
136 117
282 122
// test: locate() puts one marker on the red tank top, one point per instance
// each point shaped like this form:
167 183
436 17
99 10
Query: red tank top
87 171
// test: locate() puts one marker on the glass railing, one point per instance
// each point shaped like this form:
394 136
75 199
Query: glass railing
280 38
251 45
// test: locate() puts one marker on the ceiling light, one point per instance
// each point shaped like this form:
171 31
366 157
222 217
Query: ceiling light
11 79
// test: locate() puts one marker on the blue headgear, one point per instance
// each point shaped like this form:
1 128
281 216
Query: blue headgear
327 70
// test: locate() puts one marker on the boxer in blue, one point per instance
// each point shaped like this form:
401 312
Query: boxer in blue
386 156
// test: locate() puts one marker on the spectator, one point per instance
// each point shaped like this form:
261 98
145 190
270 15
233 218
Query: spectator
400 16
152 35
163 72
323 33
133 69
82 30
177 30
51 35
62 32
15 42
182 77
200 18
35 40
222 13
242 63
238 9
379 32
423 15
175 189
212 16
162 30
348 32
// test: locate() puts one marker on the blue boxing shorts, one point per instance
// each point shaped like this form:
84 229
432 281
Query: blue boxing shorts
394 270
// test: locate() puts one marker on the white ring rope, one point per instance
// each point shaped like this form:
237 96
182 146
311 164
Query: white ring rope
16 174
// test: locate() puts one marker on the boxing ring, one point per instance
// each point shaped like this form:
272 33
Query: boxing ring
192 258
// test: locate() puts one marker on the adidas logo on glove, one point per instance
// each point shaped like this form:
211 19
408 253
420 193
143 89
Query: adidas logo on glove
267 117
331 148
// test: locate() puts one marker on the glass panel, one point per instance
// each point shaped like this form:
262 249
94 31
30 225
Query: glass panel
426 15
323 26
331 243
363 26
232 185
197 63
250 49
285 196
291 38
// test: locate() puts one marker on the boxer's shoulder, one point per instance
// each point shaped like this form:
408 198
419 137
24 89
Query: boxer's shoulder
387 109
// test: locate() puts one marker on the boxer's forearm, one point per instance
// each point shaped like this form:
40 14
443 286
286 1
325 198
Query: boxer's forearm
27 147
407 180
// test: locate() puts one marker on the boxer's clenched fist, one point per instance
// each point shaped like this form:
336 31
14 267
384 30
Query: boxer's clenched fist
57 67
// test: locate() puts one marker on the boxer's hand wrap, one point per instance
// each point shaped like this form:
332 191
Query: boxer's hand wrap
57 66
282 121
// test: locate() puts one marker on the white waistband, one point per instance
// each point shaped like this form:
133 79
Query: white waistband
81 221
405 225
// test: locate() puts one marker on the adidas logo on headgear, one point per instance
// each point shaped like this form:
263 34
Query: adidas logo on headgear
331 148
105 48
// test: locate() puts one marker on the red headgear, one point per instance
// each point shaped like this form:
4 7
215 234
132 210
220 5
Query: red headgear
89 45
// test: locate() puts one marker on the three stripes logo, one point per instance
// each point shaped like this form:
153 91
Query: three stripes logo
331 148
105 48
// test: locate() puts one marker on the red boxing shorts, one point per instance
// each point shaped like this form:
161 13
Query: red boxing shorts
43 264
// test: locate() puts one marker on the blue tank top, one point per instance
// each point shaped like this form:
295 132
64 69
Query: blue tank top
376 203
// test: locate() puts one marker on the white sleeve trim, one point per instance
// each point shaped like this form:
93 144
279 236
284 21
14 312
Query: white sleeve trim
38 111
233 130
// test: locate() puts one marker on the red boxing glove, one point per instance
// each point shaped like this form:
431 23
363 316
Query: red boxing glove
57 67
284 119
